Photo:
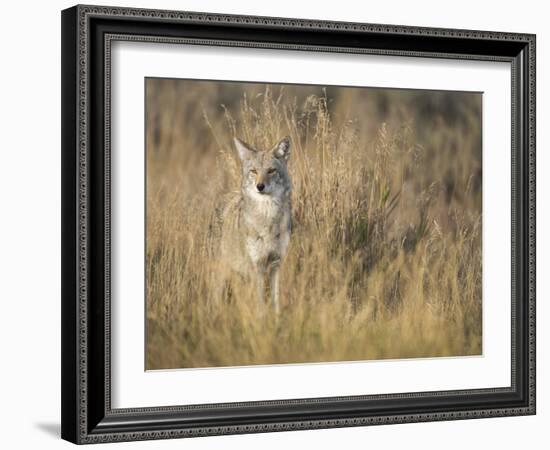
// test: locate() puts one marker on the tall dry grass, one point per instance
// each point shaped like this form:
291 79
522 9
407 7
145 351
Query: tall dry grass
385 254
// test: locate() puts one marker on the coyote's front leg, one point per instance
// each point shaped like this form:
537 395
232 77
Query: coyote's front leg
274 286
260 285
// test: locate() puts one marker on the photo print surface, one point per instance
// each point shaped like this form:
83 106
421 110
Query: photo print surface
306 224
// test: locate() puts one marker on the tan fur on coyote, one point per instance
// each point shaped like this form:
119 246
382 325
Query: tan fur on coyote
255 223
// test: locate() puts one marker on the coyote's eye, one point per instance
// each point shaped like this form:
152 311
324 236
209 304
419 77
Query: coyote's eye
253 171
271 171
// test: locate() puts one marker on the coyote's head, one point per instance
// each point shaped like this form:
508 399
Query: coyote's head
265 172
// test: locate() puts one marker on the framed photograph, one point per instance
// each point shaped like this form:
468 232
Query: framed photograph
280 224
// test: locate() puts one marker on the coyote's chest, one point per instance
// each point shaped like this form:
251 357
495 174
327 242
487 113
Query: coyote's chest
267 225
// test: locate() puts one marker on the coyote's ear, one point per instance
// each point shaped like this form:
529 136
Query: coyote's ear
282 149
245 151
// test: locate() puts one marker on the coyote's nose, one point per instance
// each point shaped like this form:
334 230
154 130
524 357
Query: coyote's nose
260 186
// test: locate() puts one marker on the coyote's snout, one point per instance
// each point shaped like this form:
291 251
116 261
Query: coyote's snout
256 222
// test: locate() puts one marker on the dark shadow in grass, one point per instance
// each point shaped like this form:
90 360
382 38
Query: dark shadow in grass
53 429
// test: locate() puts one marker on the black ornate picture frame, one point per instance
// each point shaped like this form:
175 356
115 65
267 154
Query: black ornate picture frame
87 35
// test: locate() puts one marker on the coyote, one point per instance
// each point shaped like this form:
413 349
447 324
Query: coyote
255 223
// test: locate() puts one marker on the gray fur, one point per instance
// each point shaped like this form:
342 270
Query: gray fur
255 225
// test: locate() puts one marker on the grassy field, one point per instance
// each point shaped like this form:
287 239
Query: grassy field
385 255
